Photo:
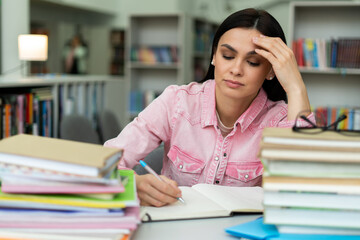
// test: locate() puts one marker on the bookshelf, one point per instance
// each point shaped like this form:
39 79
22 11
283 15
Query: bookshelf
156 56
84 95
203 33
117 45
337 87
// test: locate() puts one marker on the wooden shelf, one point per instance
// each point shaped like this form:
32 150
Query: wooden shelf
341 71
155 66
327 20
68 94
149 31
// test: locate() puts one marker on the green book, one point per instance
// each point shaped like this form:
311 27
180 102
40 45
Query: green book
120 200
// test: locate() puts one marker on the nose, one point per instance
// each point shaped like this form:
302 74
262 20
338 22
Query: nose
237 68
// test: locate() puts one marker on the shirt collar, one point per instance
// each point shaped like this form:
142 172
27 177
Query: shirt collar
208 115
253 110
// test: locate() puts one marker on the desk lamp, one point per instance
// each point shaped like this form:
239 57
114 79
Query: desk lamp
33 47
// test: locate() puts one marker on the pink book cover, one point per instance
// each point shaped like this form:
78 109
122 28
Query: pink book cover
13 188
11 185
129 221
69 225
20 113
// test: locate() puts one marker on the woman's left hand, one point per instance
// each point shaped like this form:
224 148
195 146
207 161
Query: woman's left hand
285 67
283 62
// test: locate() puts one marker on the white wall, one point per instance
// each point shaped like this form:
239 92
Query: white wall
103 6
14 21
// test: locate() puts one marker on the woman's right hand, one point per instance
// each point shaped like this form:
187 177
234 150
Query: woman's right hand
153 192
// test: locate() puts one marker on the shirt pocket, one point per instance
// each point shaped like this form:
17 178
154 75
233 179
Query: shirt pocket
184 169
243 174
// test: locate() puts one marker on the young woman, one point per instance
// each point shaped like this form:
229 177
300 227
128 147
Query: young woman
211 130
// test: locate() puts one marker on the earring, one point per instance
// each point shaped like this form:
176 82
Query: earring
271 78
212 62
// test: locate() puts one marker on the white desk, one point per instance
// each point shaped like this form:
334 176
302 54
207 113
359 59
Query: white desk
209 229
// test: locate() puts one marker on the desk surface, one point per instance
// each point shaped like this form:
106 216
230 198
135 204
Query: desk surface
209 229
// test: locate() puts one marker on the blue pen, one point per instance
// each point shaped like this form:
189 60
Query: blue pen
151 171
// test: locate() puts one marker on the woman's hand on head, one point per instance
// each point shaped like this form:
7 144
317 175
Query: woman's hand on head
285 67
283 62
153 192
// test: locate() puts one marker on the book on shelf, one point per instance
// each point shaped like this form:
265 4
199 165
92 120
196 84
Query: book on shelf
59 155
138 100
27 111
154 54
327 53
205 201
329 114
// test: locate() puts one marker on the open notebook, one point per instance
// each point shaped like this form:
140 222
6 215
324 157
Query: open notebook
205 201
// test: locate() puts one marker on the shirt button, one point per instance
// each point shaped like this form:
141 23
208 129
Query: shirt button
224 154
217 181
216 158
246 176
181 166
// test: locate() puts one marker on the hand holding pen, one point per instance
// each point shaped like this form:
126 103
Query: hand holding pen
153 192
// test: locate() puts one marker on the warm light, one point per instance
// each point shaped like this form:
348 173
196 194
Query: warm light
33 47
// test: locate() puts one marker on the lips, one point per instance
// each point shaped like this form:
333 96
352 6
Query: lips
233 84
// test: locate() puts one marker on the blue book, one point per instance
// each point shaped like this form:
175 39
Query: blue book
253 230
334 44
315 62
288 236
350 119
258 230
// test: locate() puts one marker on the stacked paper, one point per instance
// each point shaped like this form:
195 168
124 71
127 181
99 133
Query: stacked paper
83 200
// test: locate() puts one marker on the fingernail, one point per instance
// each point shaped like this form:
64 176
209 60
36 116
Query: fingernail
178 195
255 39
262 35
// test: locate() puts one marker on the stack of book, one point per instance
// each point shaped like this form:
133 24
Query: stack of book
327 53
329 114
311 181
61 189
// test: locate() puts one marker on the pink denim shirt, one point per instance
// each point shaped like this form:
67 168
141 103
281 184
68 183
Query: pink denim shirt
184 118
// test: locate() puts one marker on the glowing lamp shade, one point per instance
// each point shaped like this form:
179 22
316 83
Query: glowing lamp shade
33 47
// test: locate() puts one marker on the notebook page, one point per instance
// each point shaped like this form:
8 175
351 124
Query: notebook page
196 206
236 199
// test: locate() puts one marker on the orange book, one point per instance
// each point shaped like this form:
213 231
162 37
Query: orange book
333 115
29 108
7 120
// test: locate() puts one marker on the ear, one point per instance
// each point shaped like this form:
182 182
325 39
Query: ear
270 75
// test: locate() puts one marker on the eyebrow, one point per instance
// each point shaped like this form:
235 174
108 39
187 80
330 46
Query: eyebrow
234 50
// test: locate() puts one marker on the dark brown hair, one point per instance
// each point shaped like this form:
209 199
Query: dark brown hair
266 25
